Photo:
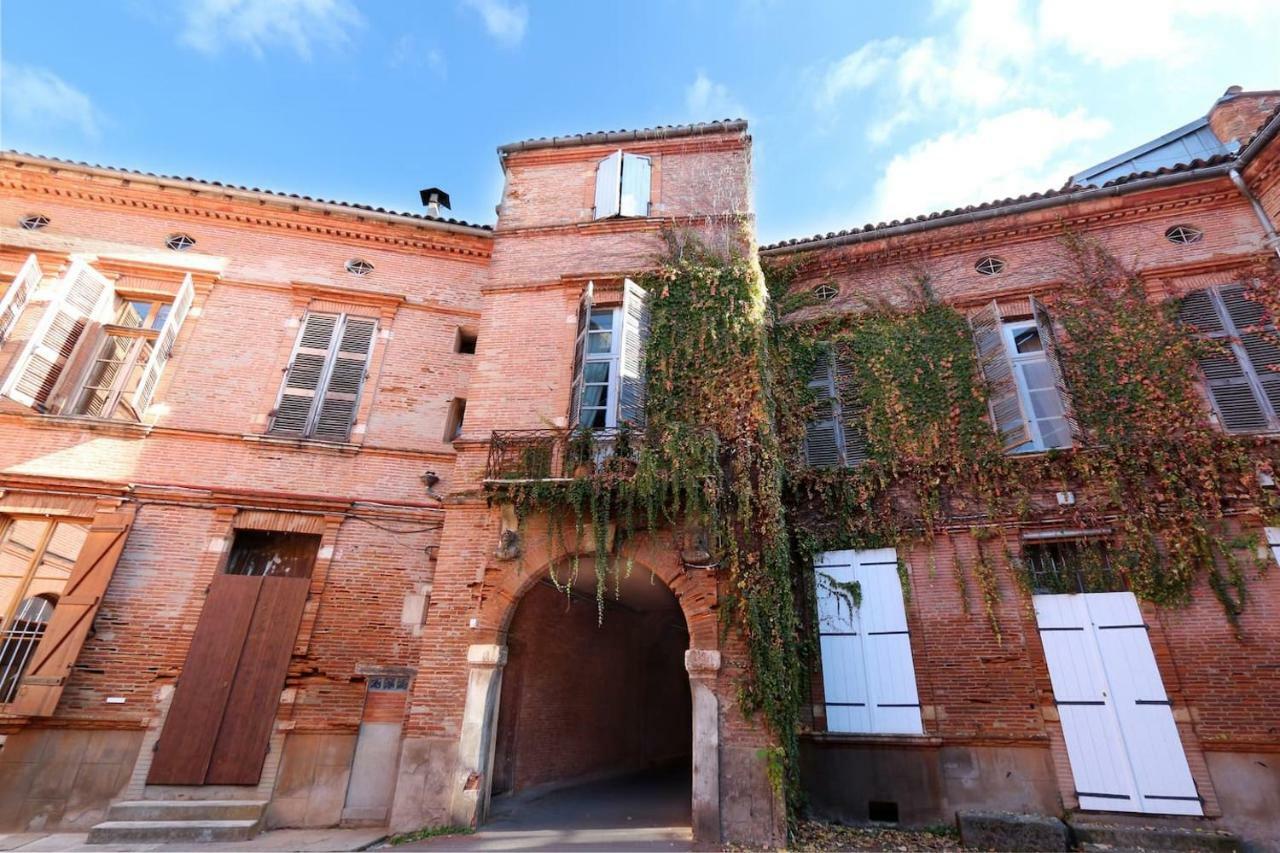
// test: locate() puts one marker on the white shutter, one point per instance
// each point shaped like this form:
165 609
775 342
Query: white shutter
608 185
1049 341
997 368
580 351
635 334
163 347
868 674
15 299
636 172
76 298
345 379
1273 539
304 375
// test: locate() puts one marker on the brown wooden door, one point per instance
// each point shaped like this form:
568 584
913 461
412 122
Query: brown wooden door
219 724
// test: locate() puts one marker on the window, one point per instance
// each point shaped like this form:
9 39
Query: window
388 683
622 185
179 242
826 292
868 676
990 265
1273 539
1070 566
608 380
324 378
1242 367
96 351
269 553
18 294
464 341
453 424
1027 394
36 559
357 266
1184 234
34 222
836 435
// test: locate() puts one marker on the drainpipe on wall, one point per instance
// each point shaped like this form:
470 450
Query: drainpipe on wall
1272 239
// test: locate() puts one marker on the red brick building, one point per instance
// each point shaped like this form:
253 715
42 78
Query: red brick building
250 550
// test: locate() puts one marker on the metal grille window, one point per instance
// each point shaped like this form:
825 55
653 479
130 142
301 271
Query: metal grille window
324 379
826 292
1184 234
1071 566
34 222
990 265
389 683
180 242
36 559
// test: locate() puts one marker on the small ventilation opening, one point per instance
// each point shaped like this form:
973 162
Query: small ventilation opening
453 424
882 811
465 342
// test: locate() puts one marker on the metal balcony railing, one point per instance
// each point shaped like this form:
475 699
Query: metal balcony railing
549 454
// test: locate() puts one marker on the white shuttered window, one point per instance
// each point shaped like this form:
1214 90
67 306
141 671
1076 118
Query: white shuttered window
17 295
324 379
868 676
608 368
1273 539
623 185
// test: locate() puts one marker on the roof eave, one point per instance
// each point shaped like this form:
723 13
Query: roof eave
618 136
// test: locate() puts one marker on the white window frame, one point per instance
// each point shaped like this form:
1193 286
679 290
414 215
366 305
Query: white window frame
1010 330
612 358
1273 539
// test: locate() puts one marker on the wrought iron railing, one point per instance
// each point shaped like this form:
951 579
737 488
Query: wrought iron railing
551 454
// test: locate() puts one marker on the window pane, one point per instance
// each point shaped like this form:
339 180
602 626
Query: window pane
1037 374
1046 404
1054 432
594 396
161 315
596 371
602 321
133 313
20 543
600 342
1027 340
59 558
594 419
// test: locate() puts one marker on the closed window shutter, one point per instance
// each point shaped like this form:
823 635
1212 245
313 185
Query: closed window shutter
350 363
580 351
840 641
51 664
304 375
163 347
635 335
636 172
1236 394
608 185
1049 340
822 433
1273 539
15 299
997 368
852 412
75 301
1258 338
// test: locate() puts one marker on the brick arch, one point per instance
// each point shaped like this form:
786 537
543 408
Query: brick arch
695 592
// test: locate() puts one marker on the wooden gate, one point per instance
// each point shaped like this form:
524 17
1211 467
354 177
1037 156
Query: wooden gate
219 724
1122 740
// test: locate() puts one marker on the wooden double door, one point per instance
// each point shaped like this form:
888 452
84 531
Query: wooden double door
219 725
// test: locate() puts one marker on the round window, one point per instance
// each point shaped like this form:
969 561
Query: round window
990 265
180 242
34 222
826 292
1183 234
358 266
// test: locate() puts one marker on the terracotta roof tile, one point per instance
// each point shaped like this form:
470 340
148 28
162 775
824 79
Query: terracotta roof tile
600 137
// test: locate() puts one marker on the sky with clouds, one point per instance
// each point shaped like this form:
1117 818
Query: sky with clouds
860 112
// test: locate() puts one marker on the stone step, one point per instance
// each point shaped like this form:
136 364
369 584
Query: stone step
1094 835
168 831
173 810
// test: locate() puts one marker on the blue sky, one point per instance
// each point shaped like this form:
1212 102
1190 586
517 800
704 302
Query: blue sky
860 111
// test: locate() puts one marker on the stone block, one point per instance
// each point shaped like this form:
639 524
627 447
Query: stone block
1010 831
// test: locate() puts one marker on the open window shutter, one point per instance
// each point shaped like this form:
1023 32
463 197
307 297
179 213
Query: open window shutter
840 638
886 645
821 434
993 358
636 173
76 299
1259 339
608 185
305 373
635 334
852 413
345 380
1044 325
163 347
580 351
15 299
1228 385
73 615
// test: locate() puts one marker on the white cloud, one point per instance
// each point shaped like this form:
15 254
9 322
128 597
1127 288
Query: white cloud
706 100
406 52
859 69
39 100
211 25
1021 151
505 21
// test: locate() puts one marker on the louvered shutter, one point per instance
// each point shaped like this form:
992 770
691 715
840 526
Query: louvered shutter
1049 340
852 412
15 299
997 368
76 299
1226 376
73 615
162 349
635 334
636 172
349 364
821 438
608 185
580 351
304 375
1258 338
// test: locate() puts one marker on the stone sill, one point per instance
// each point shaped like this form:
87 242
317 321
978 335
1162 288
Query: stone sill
849 739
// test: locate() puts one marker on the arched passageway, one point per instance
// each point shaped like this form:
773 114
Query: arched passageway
594 719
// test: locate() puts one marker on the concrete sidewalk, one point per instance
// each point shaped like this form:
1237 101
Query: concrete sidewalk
281 840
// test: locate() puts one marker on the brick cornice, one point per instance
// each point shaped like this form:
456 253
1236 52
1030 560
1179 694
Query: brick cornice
710 143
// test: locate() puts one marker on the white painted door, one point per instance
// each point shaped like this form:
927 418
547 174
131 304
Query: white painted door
1122 742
